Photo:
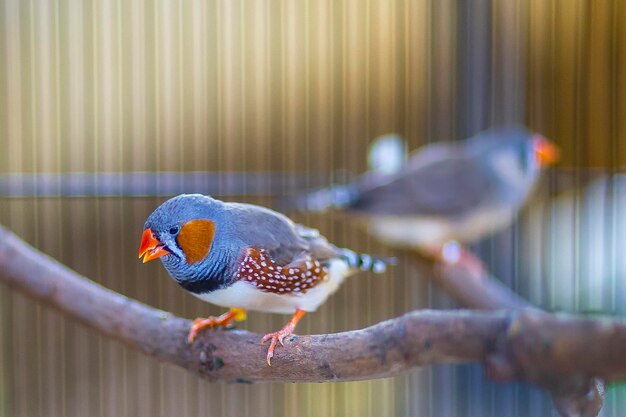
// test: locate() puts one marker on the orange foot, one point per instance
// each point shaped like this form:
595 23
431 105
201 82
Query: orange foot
452 253
280 335
226 319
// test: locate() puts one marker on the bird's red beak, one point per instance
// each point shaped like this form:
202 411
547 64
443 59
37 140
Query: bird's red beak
546 152
150 247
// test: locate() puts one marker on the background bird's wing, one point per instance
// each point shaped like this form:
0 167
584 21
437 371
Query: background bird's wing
433 153
425 156
343 196
448 186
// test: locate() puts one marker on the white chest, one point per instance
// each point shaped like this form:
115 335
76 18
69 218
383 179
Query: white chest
247 296
433 232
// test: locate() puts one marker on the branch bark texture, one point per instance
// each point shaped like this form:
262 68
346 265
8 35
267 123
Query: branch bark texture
573 394
525 344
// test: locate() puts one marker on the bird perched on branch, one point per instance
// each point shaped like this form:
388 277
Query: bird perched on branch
247 257
460 191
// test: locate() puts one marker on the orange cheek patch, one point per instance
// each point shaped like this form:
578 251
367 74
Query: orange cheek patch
195 239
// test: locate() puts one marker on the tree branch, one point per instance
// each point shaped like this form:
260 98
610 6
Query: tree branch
482 292
573 393
526 344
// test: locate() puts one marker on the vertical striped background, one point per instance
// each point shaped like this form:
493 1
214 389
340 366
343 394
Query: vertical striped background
295 86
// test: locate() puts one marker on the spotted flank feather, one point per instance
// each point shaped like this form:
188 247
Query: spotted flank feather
260 270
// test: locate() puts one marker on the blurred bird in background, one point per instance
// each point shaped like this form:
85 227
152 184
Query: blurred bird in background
247 257
444 192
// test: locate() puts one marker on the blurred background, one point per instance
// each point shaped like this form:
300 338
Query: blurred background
268 97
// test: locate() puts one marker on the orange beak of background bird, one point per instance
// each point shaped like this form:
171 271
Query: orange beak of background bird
546 152
150 247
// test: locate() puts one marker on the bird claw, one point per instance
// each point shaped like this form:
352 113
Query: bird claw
279 337
454 254
200 324
469 262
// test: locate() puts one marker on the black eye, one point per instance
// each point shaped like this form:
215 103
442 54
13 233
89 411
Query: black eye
174 230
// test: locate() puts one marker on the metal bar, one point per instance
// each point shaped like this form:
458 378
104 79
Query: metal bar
145 184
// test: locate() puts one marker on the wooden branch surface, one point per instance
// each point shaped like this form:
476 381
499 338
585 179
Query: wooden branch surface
574 394
524 344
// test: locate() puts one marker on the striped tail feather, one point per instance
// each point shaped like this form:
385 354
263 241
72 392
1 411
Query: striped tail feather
366 262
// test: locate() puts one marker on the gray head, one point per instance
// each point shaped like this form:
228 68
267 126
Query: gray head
184 233
166 222
514 156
